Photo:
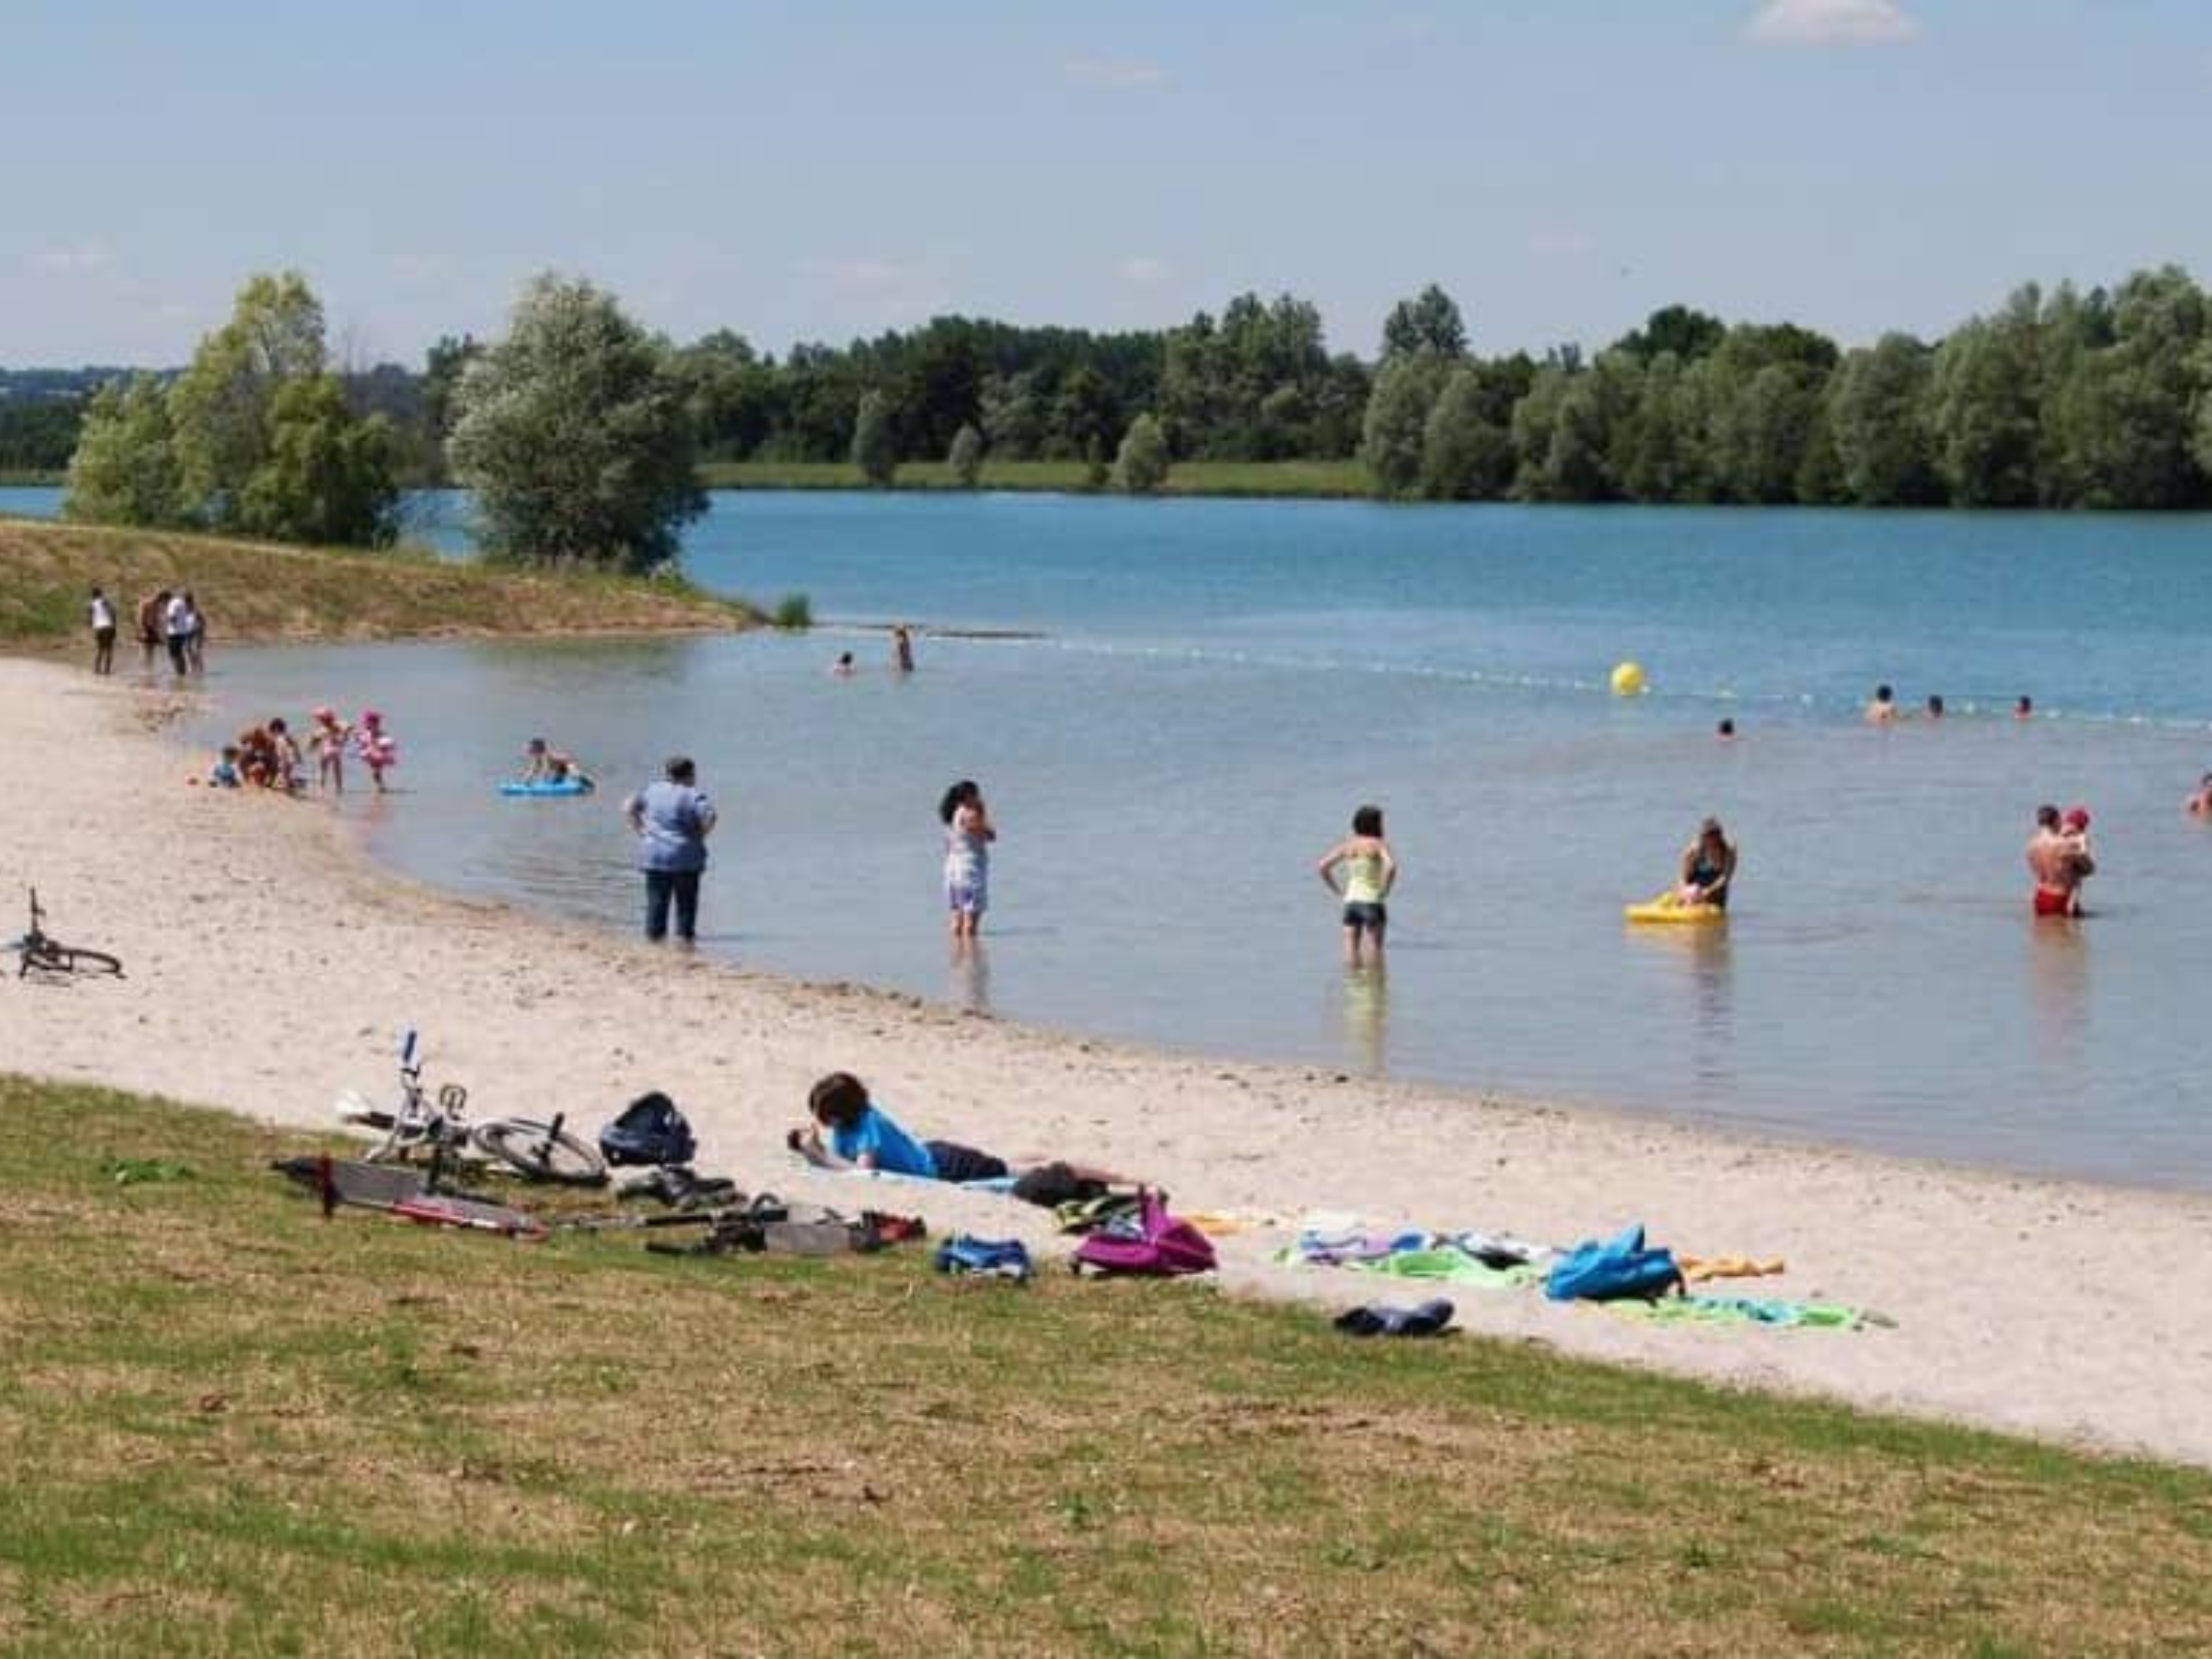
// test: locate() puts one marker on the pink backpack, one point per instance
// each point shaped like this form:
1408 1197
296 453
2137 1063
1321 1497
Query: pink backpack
1154 1243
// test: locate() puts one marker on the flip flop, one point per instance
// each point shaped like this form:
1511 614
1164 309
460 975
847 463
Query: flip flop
1378 1319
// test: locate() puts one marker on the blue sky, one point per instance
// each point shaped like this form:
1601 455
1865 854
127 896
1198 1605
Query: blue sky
815 171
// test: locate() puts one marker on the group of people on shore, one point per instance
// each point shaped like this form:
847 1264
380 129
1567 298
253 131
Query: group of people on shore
167 619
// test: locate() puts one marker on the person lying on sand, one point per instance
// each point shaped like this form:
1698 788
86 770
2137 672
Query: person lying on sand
861 1135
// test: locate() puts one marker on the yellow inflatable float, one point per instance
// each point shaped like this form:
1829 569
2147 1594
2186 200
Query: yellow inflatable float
1667 907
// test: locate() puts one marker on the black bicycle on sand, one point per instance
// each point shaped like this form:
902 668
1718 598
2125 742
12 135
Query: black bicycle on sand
39 953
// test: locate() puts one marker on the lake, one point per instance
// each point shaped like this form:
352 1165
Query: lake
1203 691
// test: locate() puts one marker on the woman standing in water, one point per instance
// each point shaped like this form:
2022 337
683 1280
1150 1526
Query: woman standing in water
969 834
1368 872
1708 868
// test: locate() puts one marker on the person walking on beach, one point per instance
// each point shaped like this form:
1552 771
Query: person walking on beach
101 613
1708 868
672 819
152 610
2058 864
1360 870
969 833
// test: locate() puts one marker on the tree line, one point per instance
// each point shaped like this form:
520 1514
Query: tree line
2068 399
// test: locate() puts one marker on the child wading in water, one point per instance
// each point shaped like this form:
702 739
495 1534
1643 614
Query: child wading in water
1368 872
378 750
327 743
969 834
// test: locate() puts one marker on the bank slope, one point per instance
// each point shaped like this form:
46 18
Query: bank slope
265 591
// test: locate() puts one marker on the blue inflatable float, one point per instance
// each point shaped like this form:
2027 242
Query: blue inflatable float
547 786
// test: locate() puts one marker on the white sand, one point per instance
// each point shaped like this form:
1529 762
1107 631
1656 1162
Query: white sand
271 967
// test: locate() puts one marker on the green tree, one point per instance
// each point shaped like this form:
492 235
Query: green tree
1140 467
1685 334
2120 393
574 434
1013 416
1395 431
124 470
327 479
966 456
1467 453
1878 415
220 407
875 440
1986 406
1428 325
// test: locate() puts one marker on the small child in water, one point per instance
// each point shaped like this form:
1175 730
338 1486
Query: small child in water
327 741
378 750
285 751
1368 870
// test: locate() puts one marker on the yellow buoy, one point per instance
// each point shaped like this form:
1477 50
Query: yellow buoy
1628 679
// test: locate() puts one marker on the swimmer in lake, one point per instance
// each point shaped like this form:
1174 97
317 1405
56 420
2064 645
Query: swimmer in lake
1708 868
2199 806
1883 711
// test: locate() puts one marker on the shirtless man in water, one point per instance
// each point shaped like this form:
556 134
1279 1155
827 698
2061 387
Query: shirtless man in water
2058 864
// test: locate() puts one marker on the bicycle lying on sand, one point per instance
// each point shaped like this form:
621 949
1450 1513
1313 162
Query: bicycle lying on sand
439 1129
39 953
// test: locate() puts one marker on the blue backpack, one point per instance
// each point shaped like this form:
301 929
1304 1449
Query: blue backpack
650 1130
1621 1267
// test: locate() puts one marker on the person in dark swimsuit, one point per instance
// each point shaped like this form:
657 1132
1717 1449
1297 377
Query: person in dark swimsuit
1708 868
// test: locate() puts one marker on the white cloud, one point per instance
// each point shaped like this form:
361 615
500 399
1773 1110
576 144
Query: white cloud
1561 242
1122 73
70 261
1142 271
1831 23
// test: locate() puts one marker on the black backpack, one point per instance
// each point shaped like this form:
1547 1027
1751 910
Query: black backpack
649 1131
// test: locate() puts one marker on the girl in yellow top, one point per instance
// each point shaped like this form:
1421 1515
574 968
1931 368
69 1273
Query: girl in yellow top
1360 871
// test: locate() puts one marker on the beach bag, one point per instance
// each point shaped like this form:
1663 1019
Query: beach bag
1152 1242
649 1131
1620 1268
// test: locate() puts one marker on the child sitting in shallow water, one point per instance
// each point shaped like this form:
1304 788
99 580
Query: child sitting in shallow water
224 774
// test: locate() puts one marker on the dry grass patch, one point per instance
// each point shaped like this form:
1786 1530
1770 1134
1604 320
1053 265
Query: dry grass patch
356 1437
263 591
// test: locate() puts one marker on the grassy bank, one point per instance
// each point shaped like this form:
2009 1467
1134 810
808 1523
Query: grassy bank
235 1428
1325 479
31 480
258 591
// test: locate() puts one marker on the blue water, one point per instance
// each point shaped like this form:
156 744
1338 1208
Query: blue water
1214 686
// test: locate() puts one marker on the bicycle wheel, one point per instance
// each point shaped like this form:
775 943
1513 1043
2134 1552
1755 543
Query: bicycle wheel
541 1151
81 960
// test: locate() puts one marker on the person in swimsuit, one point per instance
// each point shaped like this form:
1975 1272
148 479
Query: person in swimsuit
2199 806
1708 868
151 610
327 737
903 649
1361 870
969 833
1883 711
2024 710
2074 831
2058 864
100 612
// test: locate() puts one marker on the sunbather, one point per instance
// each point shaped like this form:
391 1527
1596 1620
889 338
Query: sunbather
861 1135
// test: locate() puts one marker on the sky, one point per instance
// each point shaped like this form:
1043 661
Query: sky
823 169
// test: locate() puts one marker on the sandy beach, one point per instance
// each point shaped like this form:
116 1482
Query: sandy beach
272 967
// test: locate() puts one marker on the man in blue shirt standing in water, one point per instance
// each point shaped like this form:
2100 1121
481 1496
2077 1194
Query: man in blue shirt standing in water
673 819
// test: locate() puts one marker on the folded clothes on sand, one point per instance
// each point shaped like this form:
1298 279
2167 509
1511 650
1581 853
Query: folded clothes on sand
1696 1268
1749 1311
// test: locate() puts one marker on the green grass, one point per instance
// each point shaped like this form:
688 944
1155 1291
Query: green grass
262 591
233 1427
1285 478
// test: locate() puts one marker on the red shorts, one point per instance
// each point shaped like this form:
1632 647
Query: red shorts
2048 903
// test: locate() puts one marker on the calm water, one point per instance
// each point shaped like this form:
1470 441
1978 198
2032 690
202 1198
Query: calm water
1219 684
